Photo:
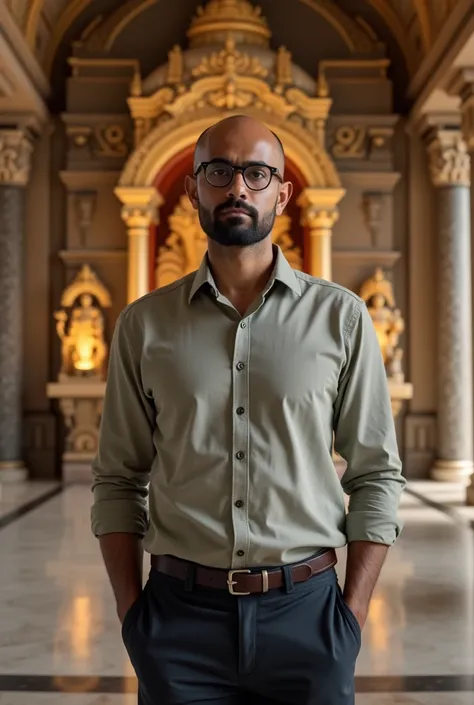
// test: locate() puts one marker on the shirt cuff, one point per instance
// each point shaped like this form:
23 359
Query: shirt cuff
118 516
372 526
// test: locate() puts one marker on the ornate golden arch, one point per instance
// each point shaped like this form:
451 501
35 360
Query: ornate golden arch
228 82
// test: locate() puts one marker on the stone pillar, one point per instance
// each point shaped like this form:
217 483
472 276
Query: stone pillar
139 211
318 215
450 173
15 158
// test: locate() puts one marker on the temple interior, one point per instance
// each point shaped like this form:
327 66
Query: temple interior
101 104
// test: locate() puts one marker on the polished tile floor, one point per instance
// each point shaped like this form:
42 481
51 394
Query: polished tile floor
60 640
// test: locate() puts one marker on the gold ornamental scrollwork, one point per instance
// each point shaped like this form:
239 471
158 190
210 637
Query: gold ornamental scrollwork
111 141
230 61
449 160
350 142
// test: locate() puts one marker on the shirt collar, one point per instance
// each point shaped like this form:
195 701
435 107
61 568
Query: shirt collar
282 272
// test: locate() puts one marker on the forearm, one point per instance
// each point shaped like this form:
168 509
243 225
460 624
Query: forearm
364 563
123 558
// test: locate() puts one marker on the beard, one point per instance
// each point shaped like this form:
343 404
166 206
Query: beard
238 230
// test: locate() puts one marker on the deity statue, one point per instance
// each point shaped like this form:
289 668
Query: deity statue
83 347
377 292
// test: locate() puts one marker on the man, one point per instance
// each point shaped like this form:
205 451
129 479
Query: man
225 390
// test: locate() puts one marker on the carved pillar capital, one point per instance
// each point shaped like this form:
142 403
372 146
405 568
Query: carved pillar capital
15 157
449 159
139 211
462 85
140 206
318 214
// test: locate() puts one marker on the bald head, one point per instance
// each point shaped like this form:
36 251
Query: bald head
238 185
233 129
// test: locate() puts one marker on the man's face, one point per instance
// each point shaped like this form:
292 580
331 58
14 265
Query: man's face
236 213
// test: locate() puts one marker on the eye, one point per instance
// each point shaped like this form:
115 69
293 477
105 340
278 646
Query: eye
257 173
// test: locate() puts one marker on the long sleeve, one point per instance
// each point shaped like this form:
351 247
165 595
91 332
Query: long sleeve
365 437
121 469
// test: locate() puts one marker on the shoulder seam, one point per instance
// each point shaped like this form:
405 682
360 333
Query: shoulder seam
157 292
329 285
352 321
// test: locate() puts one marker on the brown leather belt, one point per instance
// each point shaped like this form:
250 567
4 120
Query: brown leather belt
243 581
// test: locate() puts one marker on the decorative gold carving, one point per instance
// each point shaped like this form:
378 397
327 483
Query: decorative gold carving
83 348
377 292
284 68
221 17
15 157
136 84
229 61
187 244
449 159
350 142
229 80
111 140
281 236
175 65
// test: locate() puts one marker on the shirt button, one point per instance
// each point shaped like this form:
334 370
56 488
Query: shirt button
243 324
240 455
240 410
240 366
241 553
239 504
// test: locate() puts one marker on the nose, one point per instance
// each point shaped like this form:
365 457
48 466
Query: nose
237 187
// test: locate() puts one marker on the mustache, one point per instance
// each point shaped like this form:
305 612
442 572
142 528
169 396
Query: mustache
241 205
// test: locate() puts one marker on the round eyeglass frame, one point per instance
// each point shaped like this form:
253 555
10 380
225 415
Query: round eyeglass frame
235 168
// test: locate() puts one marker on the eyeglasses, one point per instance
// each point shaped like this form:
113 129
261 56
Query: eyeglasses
256 176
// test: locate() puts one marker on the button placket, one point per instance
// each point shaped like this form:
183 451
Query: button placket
240 449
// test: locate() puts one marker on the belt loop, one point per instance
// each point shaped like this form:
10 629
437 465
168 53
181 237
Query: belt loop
288 578
190 577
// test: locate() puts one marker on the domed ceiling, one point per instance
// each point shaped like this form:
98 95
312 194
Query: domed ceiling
414 24
404 31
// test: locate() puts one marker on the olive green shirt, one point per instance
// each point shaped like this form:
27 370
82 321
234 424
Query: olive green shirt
217 430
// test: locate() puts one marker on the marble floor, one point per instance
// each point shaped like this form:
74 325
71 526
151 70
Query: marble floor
60 640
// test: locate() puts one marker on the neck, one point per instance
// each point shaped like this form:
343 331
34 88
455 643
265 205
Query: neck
241 271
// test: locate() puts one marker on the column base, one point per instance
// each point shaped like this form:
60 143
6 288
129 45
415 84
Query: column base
452 471
13 471
470 494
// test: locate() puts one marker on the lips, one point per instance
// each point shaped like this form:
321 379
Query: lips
234 211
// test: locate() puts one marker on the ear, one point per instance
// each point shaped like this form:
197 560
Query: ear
191 189
284 195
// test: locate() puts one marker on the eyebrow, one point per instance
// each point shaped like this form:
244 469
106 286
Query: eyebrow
251 162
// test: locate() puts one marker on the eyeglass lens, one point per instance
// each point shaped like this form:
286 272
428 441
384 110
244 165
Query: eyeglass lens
255 176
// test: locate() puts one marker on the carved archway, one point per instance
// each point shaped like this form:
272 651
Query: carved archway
200 88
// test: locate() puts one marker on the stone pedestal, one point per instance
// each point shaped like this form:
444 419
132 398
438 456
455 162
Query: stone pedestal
15 152
450 172
80 403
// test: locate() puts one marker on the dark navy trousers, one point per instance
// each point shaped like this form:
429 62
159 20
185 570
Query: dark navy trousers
296 646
